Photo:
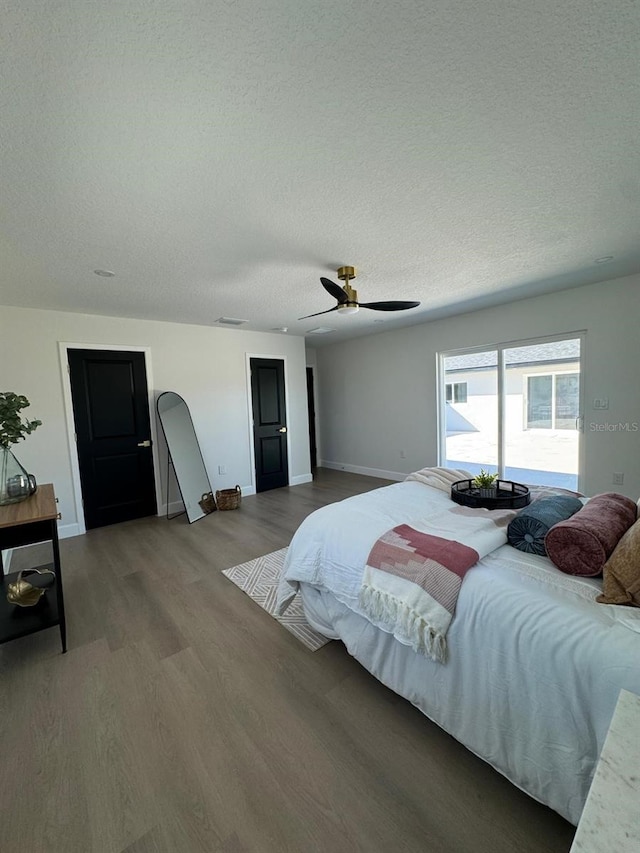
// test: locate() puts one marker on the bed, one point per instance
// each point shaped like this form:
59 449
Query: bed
533 666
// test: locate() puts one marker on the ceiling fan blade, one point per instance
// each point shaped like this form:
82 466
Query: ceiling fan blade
389 306
335 290
335 308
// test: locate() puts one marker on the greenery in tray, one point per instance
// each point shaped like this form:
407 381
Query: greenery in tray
485 480
12 427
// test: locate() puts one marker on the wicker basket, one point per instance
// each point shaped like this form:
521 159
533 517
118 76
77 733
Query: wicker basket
228 498
208 503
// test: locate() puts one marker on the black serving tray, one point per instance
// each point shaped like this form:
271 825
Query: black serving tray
506 495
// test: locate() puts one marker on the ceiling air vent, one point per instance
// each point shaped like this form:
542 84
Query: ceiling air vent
320 330
230 321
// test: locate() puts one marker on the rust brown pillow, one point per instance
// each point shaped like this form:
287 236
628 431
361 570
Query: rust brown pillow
621 573
582 544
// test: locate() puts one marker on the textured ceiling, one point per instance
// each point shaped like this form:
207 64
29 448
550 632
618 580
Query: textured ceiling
221 156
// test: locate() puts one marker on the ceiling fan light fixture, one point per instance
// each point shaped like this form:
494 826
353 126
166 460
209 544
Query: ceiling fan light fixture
347 298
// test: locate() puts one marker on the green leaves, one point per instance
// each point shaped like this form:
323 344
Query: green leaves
484 480
12 427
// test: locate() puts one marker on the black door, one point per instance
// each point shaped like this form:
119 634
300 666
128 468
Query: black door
269 423
311 408
111 413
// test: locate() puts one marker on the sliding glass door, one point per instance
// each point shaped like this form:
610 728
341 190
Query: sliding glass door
515 409
471 411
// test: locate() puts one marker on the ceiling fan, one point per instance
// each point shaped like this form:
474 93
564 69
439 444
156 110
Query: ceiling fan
348 298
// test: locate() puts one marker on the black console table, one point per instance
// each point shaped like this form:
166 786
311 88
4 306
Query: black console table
25 523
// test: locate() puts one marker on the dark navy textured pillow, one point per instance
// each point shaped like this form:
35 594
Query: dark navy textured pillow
527 530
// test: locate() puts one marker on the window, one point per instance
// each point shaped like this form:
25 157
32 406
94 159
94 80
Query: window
456 392
553 401
521 413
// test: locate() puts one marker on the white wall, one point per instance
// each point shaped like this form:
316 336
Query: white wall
384 403
207 366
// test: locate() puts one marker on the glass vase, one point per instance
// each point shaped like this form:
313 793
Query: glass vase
14 480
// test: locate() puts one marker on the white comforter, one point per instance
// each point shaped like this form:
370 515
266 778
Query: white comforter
331 546
535 664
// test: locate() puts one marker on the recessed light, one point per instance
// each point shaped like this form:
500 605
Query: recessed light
282 329
604 260
105 273
321 330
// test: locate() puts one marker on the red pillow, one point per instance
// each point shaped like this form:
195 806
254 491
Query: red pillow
582 544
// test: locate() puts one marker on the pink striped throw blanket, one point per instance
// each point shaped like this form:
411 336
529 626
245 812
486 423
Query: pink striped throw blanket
412 578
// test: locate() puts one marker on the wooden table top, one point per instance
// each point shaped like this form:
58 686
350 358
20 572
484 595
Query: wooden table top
39 507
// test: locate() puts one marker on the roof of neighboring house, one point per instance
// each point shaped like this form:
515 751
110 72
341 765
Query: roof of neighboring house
554 351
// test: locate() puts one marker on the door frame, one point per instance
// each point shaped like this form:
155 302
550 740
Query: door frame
252 448
63 347
315 413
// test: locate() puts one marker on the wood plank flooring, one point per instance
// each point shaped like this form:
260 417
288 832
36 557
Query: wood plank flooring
185 719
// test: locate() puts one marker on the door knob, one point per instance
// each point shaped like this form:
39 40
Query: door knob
146 443
282 429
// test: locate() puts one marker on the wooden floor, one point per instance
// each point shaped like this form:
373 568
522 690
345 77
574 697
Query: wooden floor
184 718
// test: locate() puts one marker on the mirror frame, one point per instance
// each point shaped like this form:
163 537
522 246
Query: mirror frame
171 463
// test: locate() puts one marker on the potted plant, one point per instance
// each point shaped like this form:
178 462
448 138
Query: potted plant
15 483
486 483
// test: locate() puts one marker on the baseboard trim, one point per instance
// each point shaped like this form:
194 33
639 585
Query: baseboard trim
300 479
66 531
359 469
174 508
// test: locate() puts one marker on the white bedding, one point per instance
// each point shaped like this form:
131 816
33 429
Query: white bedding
331 546
535 665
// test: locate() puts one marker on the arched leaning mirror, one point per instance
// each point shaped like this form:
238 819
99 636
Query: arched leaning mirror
185 453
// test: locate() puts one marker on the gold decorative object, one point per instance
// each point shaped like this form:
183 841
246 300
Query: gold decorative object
26 594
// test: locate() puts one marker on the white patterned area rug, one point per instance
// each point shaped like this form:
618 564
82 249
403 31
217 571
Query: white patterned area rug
259 579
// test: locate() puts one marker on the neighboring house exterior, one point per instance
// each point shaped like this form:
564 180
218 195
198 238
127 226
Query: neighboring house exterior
542 407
